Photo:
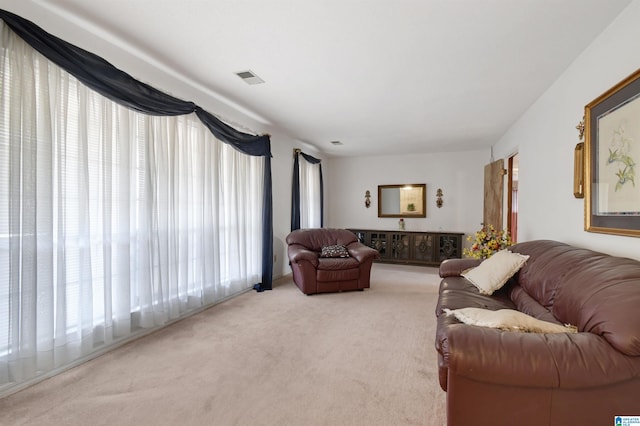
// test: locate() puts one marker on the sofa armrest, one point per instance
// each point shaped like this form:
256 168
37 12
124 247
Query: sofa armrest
455 267
562 360
298 253
362 252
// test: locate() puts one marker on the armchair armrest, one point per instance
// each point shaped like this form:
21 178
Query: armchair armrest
362 252
298 253
455 267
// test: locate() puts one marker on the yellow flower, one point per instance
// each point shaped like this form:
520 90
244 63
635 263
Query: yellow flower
487 241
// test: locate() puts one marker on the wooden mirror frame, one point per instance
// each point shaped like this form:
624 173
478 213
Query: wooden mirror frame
420 204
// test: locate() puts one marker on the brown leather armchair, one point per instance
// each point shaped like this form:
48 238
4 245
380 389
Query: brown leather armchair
315 274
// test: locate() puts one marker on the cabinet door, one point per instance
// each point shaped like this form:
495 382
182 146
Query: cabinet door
379 242
423 247
449 247
400 247
361 235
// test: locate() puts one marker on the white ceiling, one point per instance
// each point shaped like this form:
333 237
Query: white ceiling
381 76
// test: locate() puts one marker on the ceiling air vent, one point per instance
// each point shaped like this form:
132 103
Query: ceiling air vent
336 143
250 77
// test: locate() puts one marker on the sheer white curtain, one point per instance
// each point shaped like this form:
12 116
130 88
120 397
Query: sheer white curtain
110 220
310 207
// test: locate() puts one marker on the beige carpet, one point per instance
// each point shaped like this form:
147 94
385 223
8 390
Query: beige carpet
272 358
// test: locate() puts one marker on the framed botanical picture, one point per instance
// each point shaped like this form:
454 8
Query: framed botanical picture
612 156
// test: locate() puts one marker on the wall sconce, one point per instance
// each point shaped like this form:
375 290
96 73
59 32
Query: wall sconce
367 199
439 201
578 163
580 129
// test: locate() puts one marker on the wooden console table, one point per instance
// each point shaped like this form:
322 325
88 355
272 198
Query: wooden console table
415 248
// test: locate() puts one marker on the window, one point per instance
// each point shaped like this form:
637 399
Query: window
111 220
310 190
307 192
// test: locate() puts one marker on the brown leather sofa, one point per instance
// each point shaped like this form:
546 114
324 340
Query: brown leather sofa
315 274
496 377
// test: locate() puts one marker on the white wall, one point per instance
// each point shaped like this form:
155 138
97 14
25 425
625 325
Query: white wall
545 137
459 174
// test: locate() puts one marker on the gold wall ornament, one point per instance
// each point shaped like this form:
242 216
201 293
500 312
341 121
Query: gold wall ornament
578 171
580 129
367 199
439 201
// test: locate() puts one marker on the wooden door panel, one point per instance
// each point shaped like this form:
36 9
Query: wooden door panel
493 193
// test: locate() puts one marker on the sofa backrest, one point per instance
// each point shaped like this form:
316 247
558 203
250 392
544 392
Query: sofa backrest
316 238
596 292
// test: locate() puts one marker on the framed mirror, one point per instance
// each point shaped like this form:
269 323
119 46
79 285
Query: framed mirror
407 200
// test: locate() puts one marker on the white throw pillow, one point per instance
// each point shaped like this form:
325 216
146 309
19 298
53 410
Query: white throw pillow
495 271
508 319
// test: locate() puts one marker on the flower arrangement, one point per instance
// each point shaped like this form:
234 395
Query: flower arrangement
487 241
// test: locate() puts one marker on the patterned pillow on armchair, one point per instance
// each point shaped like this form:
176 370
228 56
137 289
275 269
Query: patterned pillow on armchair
334 251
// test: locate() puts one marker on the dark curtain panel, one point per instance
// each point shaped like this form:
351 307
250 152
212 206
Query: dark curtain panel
120 87
314 160
295 189
267 233
295 193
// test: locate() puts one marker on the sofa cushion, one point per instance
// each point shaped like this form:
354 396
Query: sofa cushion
525 303
458 292
495 271
541 276
596 292
608 306
508 319
337 250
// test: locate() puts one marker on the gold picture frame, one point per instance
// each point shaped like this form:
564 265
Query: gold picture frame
611 156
